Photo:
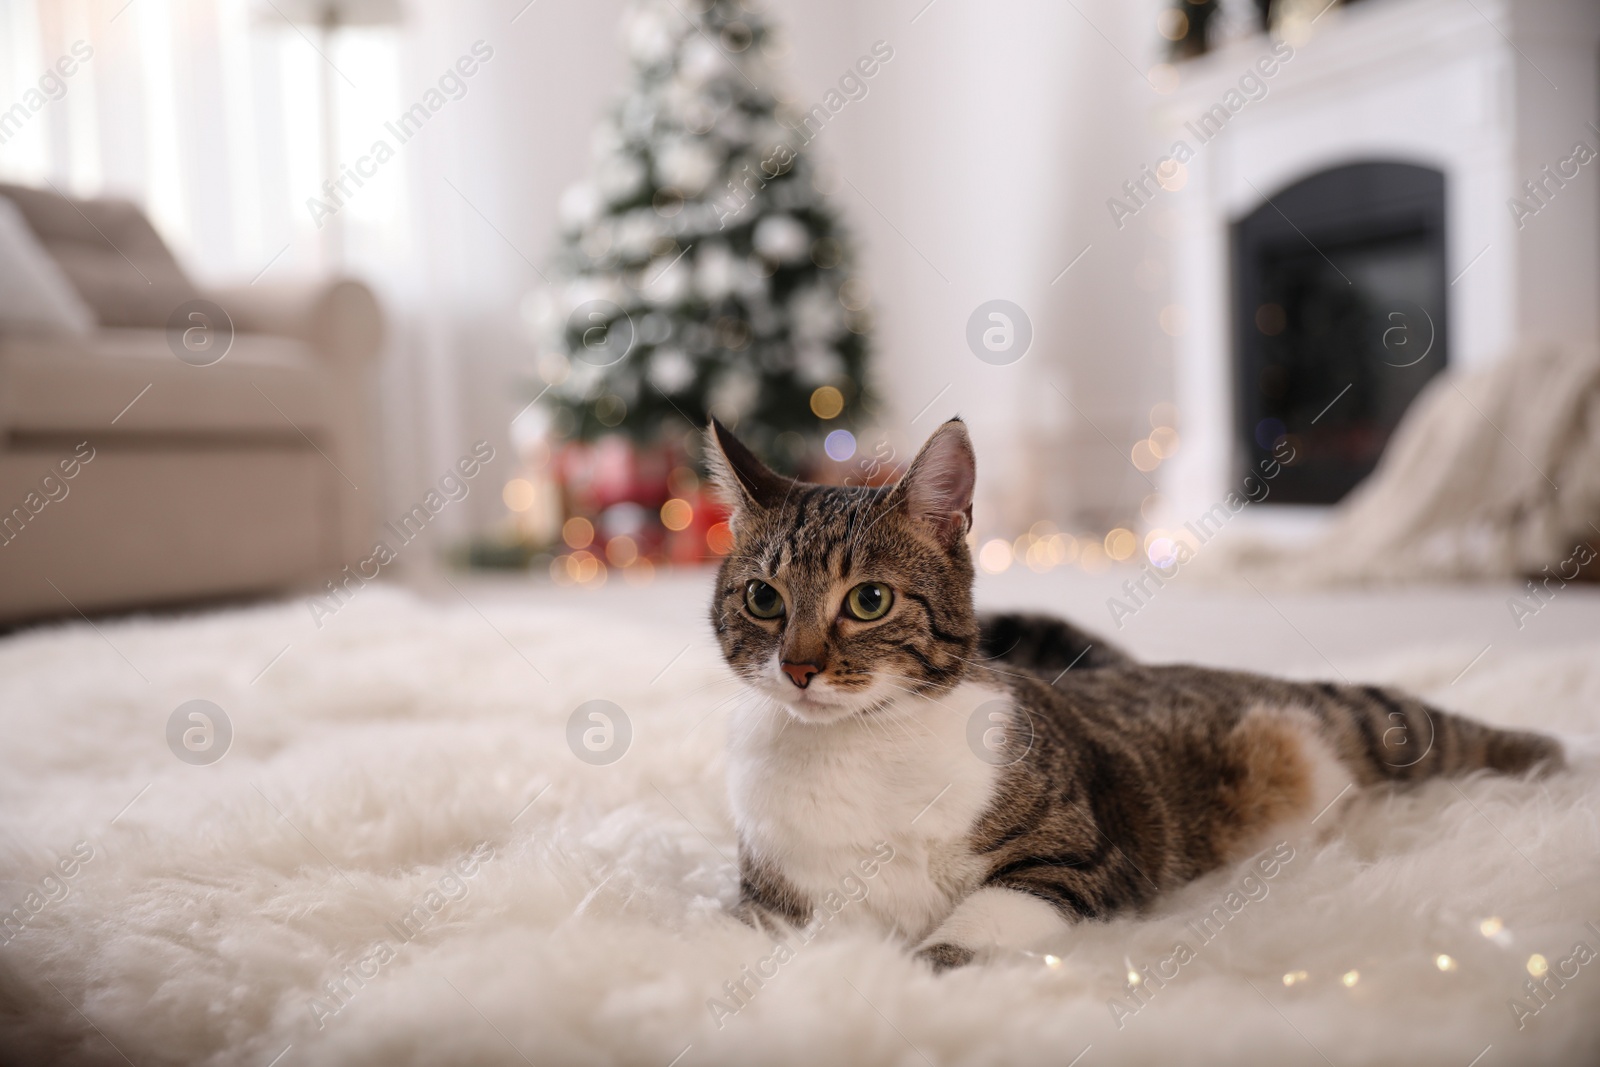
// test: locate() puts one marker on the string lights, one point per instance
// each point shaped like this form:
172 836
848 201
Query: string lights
1492 929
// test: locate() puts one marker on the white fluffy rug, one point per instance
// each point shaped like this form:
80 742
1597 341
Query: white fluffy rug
409 758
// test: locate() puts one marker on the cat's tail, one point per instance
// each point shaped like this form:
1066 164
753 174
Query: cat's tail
1044 643
1386 735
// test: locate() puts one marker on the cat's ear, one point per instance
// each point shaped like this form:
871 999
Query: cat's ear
937 488
743 481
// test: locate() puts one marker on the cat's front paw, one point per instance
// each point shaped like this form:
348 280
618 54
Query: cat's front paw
944 956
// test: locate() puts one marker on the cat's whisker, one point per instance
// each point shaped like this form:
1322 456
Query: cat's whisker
898 730
911 730
927 697
1002 655
714 683
711 711
983 664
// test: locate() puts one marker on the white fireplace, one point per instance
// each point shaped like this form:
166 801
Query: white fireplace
1495 94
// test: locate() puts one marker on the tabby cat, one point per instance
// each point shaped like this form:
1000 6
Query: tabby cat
1023 775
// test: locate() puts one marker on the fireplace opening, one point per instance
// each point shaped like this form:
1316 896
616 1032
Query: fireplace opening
1339 321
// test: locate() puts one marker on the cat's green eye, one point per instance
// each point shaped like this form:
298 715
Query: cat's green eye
763 601
868 601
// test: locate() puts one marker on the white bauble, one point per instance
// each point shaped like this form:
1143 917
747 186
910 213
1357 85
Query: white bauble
636 232
665 282
670 370
734 393
816 314
782 238
699 62
685 163
649 37
716 270
584 381
816 365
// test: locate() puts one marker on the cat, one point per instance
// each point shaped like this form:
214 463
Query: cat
997 789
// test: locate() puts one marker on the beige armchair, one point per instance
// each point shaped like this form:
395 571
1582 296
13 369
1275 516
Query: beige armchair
131 477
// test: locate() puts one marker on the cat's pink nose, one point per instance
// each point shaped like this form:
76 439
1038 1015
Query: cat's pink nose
800 673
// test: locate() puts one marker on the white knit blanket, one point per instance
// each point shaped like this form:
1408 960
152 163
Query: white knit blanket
1490 474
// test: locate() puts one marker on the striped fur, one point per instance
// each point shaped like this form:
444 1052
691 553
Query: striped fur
1044 644
1110 783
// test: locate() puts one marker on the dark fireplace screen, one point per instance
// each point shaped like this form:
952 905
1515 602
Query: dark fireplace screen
1339 321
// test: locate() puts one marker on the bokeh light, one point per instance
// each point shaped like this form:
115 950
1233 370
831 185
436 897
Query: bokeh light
995 556
1145 457
1268 431
827 402
577 532
719 538
1164 442
518 494
622 551
1120 543
1163 78
1163 553
677 514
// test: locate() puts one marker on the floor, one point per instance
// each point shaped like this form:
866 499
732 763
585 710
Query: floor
1325 633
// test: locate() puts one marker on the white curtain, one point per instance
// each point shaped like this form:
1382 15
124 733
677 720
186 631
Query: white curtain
208 113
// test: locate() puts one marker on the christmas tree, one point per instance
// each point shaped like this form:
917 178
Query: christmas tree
702 271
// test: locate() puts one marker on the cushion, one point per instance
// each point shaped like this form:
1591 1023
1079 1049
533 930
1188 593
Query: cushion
35 297
113 256
130 382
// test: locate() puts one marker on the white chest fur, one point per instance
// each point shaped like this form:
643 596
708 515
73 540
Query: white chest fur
812 800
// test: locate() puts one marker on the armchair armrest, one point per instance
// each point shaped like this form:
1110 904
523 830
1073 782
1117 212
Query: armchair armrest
342 323
339 319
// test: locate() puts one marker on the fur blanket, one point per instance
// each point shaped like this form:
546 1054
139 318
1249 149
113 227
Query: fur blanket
1490 475
402 859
